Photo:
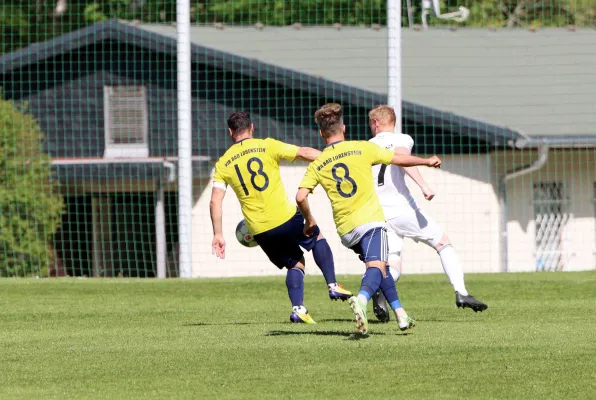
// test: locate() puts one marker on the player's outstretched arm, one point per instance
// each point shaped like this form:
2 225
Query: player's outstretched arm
402 160
302 201
216 209
307 153
416 176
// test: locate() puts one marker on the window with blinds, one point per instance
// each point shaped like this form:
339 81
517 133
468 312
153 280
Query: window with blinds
126 121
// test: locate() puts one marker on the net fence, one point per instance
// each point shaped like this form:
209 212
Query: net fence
504 91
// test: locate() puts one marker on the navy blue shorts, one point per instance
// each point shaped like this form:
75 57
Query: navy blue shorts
282 244
372 246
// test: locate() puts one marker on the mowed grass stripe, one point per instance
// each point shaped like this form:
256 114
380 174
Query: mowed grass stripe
229 338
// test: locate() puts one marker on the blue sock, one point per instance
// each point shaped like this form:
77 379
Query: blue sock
295 284
324 259
390 291
370 282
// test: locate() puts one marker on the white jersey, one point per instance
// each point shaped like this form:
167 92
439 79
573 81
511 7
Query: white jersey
393 193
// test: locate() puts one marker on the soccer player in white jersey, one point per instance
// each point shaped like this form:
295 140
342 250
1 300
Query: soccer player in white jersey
404 217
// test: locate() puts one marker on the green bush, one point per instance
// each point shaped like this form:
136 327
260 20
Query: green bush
30 204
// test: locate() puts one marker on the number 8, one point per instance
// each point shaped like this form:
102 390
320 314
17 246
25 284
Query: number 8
346 178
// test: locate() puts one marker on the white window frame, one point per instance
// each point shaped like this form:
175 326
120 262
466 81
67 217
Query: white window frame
554 256
125 150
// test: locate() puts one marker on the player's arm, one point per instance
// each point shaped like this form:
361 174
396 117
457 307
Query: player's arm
307 153
291 152
404 160
304 206
216 210
416 176
379 155
309 182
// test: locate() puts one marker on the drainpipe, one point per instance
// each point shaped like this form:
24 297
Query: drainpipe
160 220
526 169
172 171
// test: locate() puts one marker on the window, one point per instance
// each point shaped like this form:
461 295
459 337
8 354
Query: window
126 121
551 218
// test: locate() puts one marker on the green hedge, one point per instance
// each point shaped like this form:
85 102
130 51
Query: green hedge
30 204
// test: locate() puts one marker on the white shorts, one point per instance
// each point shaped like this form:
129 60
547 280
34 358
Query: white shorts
413 224
395 244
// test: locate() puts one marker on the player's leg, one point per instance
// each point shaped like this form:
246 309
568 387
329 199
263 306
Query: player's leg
395 245
295 285
421 227
284 252
390 293
432 234
371 282
454 271
323 258
372 249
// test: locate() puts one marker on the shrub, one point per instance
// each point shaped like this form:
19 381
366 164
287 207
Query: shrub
30 203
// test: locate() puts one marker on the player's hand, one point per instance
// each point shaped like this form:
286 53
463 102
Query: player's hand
428 193
434 162
219 246
309 228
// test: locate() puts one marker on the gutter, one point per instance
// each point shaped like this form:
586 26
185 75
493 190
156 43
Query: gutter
167 163
567 142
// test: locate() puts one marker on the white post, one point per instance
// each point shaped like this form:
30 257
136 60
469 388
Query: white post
160 231
101 217
394 59
184 138
97 236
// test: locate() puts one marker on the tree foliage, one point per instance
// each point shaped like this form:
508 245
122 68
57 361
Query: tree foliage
27 21
30 205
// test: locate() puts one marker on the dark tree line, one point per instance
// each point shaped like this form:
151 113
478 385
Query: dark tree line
27 21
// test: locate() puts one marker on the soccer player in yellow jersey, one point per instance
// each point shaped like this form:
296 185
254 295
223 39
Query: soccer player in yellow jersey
251 167
344 171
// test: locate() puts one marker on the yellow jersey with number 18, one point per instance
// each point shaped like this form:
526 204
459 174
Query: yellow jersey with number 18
344 170
251 168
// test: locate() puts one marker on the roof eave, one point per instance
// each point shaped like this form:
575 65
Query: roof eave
561 142
495 135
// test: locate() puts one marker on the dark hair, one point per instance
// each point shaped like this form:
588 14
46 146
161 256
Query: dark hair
239 121
330 119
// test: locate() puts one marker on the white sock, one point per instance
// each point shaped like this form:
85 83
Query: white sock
453 269
362 299
332 286
299 309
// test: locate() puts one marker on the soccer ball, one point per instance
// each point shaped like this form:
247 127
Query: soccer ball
244 236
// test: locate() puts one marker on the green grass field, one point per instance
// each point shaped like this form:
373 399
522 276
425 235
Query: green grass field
123 339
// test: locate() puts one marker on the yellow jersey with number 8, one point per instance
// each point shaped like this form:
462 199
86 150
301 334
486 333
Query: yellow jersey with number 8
251 168
344 169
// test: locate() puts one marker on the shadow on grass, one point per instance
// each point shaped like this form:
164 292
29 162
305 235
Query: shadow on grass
455 320
348 320
224 323
347 335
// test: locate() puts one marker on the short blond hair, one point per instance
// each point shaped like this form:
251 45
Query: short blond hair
384 114
330 119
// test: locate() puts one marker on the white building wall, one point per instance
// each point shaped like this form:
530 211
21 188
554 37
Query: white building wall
577 169
465 205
